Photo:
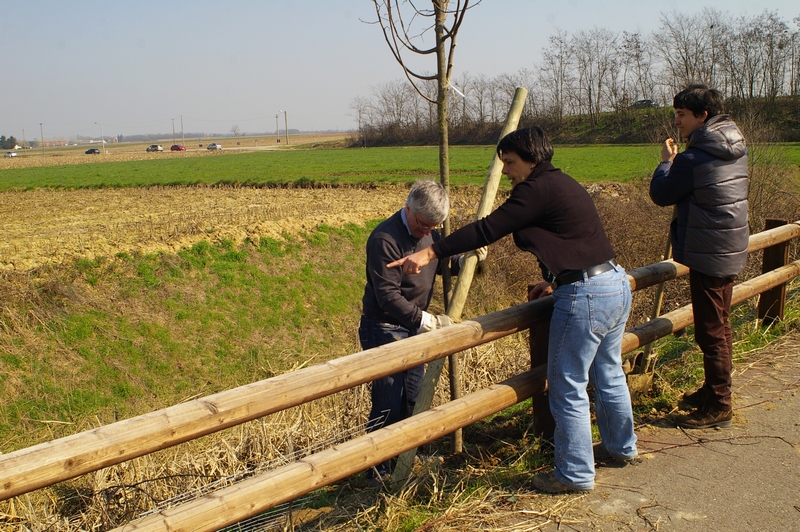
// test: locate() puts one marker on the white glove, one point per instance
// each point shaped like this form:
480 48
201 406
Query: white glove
431 322
480 253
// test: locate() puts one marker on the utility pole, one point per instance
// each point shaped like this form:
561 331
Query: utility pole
173 131
286 125
41 130
183 138
102 138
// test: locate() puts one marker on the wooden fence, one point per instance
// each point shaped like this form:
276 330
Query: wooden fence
51 462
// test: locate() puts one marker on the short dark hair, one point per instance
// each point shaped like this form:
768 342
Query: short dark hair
698 98
530 143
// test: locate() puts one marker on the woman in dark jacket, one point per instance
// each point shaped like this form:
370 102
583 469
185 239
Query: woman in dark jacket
553 217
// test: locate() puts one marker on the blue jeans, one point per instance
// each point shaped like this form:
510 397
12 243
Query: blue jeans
393 397
586 348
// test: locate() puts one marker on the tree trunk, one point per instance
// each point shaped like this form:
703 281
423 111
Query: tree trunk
443 81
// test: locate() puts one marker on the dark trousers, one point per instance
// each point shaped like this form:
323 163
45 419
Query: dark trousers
393 397
711 306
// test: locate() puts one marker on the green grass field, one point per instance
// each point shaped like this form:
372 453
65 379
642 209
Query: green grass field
468 165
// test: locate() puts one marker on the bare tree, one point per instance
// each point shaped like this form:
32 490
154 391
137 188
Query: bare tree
483 92
743 59
361 107
690 48
590 72
594 53
637 64
555 74
776 42
404 27
460 112
794 61
507 88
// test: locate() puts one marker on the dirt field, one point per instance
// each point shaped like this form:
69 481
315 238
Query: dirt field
50 226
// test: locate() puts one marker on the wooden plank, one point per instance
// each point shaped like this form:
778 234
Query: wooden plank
255 495
47 463
681 318
265 491
544 425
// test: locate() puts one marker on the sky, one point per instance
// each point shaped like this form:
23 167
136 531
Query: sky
126 68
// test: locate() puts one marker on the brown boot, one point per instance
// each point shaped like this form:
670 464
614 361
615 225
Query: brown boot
548 483
696 399
604 458
705 418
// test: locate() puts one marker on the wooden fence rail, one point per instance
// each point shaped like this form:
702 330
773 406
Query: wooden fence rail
265 491
51 462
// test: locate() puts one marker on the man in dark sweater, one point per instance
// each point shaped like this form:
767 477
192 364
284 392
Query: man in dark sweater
708 184
395 304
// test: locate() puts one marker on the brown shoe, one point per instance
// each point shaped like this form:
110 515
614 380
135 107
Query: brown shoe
705 418
548 483
696 399
604 458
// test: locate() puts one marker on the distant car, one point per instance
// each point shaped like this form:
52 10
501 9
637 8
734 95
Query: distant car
92 151
643 104
177 147
10 154
155 147
214 146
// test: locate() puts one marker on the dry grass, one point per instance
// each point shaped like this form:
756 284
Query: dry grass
118 494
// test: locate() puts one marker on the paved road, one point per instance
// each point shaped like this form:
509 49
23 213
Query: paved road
744 478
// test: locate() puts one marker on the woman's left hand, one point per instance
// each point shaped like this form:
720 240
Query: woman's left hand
538 290
413 264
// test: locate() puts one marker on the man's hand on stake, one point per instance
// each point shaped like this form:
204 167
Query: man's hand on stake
431 322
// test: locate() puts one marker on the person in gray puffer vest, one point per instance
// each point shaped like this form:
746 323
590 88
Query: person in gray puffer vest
708 184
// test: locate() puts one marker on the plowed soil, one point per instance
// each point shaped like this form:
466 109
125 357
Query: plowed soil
51 226
48 226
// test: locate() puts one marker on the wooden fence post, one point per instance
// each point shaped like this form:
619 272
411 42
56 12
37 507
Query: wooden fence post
771 304
544 425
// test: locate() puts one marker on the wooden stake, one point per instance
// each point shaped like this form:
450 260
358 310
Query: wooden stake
456 304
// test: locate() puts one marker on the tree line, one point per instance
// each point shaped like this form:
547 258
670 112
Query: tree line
589 77
7 143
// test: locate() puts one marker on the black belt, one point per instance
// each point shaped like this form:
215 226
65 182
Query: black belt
571 276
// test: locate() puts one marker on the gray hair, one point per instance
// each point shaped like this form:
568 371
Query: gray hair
429 200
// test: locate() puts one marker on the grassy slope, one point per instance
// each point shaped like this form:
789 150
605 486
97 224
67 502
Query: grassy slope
125 335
